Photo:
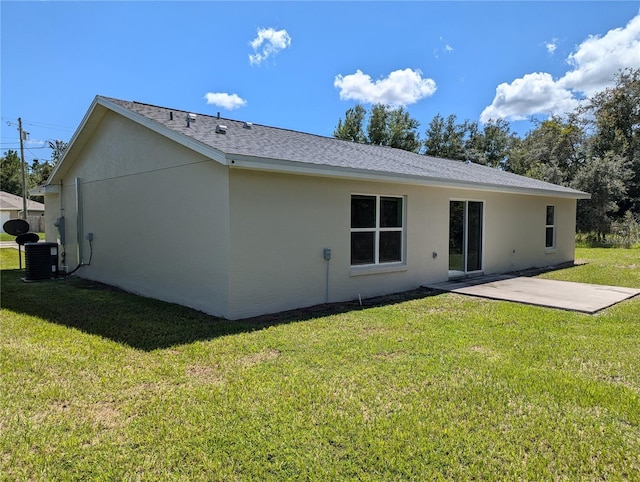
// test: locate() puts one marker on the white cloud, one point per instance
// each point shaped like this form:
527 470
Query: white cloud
400 88
598 58
595 62
224 100
268 42
551 46
35 143
535 93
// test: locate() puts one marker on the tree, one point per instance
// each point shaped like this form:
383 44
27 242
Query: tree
613 117
490 146
627 229
57 150
378 128
604 177
39 173
351 129
11 173
385 127
446 138
553 151
403 130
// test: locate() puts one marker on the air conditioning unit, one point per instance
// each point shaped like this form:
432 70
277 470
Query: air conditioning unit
41 261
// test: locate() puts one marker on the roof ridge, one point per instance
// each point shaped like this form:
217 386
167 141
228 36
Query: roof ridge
215 117
285 129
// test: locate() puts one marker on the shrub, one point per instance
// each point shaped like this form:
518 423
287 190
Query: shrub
625 233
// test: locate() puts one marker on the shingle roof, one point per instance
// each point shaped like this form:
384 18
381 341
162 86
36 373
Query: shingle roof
11 202
265 144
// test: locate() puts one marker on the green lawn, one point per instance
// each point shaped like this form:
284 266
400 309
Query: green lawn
8 237
620 267
98 384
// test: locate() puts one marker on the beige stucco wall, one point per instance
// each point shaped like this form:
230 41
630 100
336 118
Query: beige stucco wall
158 213
515 232
52 201
514 229
280 225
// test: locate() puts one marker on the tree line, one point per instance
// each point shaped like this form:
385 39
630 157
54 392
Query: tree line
37 172
595 149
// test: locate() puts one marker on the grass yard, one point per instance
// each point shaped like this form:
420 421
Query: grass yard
97 384
8 237
608 266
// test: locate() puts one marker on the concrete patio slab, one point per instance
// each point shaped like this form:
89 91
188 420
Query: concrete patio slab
566 295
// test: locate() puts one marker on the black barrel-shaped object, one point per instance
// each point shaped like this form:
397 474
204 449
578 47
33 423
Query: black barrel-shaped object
41 261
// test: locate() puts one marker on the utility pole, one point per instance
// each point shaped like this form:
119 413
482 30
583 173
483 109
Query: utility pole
24 173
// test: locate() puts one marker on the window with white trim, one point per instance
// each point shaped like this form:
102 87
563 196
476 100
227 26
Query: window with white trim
550 228
377 229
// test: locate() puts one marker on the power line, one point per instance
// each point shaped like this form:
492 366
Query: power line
32 153
55 127
8 146
51 126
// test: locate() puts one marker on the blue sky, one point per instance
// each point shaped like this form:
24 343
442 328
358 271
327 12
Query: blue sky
301 65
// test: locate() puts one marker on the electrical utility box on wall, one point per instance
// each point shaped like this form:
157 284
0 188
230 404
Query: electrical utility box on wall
59 223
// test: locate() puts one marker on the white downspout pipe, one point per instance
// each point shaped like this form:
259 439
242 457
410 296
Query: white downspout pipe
79 220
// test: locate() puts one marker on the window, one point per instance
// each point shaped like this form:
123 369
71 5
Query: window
550 234
376 229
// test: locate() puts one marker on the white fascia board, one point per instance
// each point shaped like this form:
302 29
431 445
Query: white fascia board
44 190
177 137
322 170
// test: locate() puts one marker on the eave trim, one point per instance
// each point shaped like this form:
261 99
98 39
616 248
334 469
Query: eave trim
322 170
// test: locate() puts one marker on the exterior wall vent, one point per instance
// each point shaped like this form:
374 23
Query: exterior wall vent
221 129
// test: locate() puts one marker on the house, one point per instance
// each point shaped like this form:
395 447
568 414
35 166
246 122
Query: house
237 219
12 207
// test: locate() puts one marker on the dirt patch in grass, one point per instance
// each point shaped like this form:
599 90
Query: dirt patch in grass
205 373
99 414
389 355
104 414
257 358
487 352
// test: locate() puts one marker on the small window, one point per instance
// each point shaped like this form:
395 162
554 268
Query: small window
377 230
550 231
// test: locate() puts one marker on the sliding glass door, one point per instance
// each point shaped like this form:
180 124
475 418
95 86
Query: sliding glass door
465 237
